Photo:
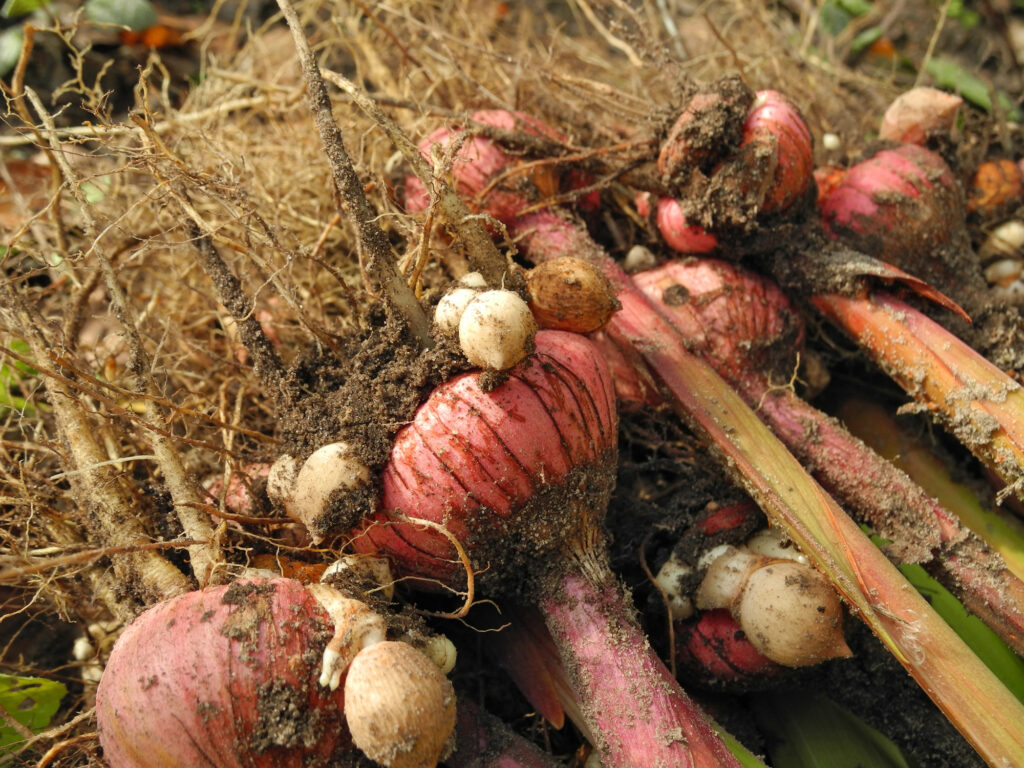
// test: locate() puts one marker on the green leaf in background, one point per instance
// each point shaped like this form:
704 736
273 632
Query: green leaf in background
832 18
11 375
952 77
865 39
15 8
32 701
855 7
967 17
133 14
811 731
834 15
11 40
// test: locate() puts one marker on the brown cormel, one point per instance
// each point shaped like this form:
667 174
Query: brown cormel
400 709
570 294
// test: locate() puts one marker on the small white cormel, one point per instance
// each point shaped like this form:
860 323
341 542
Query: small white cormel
792 615
328 468
669 578
440 650
281 479
1004 271
725 578
449 309
772 542
1006 240
788 610
638 259
473 280
496 330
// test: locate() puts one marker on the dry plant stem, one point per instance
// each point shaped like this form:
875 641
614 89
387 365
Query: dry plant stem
53 752
266 362
966 691
50 734
373 242
103 584
284 289
22 730
205 558
481 251
978 403
14 574
17 92
108 506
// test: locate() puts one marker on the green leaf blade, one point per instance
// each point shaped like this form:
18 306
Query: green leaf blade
132 14
31 701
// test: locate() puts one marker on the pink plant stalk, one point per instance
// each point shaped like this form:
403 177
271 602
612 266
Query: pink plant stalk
524 649
521 476
974 699
743 325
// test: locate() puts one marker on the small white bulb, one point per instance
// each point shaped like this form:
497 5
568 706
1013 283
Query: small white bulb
1005 240
772 542
831 141
440 650
496 330
792 614
473 280
709 556
329 468
1004 271
449 309
399 708
281 479
1010 292
724 579
638 259
669 578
